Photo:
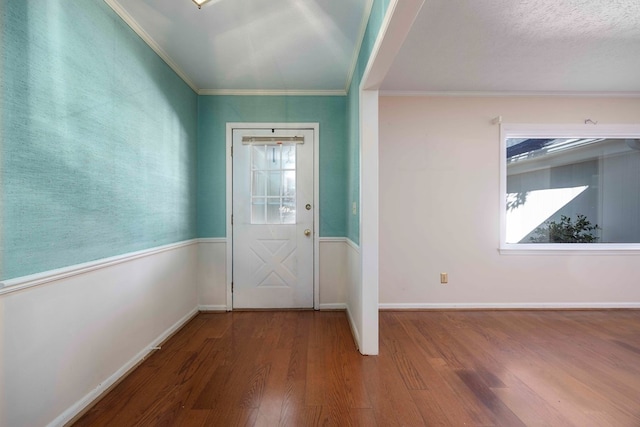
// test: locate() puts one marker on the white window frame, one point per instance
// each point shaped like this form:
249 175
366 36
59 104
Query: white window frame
558 131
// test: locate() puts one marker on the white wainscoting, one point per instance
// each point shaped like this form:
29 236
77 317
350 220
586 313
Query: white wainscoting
69 334
212 276
212 264
333 273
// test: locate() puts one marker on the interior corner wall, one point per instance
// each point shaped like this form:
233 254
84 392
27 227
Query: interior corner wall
355 285
214 112
440 208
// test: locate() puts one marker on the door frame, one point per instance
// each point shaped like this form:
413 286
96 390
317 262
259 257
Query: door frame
316 200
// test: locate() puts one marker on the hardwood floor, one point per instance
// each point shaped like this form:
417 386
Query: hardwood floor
539 368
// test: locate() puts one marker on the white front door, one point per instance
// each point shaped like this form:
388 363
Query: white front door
273 218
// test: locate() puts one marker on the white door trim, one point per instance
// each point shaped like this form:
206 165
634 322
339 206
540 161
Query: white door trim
316 200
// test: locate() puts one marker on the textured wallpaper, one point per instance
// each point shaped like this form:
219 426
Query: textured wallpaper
99 139
213 114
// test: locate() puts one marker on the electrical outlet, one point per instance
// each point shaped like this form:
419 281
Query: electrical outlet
354 208
444 278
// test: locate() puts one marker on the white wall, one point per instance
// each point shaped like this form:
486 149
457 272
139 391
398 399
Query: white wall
333 273
65 341
211 275
440 208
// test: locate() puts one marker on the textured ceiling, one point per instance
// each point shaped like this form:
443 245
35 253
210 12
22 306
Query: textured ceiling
521 46
309 46
253 45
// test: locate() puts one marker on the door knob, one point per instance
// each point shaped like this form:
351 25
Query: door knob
308 206
307 232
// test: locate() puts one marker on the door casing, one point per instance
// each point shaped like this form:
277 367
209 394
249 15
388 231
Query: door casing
316 198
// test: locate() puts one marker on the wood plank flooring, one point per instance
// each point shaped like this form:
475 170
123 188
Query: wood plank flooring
500 368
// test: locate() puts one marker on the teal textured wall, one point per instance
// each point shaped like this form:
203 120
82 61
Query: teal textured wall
99 139
378 11
213 114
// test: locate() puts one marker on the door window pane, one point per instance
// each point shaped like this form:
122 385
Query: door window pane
258 157
258 211
289 157
275 181
289 184
273 211
288 211
274 153
259 184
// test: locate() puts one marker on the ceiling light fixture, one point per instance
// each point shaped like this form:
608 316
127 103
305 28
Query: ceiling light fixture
200 3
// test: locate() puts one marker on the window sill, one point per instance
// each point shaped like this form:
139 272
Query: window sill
570 249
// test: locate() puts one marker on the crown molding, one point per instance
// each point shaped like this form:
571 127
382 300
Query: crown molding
276 92
356 51
128 19
560 94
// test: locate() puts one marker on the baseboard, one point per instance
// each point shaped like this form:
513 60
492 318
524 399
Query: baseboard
510 94
217 308
333 306
509 306
93 396
212 308
354 330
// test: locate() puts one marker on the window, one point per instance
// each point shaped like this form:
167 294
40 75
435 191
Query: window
273 184
570 187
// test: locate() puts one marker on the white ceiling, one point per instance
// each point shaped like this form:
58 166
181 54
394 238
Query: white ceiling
480 46
253 45
521 46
